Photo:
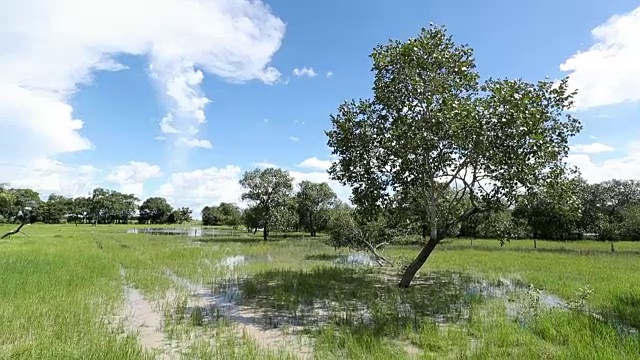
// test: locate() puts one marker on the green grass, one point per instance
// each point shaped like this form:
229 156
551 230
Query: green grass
62 286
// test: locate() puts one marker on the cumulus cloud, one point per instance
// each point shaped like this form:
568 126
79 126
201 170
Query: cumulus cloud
199 188
194 143
315 163
329 74
50 47
265 165
293 138
131 177
48 176
593 148
343 192
305 71
609 71
625 167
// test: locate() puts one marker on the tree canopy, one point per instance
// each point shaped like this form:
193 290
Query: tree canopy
268 191
434 131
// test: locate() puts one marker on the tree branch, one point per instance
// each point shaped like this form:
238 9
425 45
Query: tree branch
15 231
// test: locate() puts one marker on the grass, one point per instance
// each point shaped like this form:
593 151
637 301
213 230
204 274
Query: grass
62 288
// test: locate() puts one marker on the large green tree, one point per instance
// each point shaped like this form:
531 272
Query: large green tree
155 210
432 126
267 190
314 201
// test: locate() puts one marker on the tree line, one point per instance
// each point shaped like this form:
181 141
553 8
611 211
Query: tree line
102 206
274 206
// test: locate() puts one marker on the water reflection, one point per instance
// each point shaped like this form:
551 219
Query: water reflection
188 231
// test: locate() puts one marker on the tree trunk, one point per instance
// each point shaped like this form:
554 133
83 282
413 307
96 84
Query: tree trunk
612 248
413 268
535 243
14 231
265 233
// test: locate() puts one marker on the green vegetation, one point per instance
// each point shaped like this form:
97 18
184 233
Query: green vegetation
435 159
63 290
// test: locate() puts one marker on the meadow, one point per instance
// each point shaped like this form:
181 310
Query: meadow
102 293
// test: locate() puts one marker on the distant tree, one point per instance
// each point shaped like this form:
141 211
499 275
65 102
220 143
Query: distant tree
251 219
431 126
314 201
229 214
210 216
7 200
285 218
55 209
179 216
80 209
267 190
155 210
25 207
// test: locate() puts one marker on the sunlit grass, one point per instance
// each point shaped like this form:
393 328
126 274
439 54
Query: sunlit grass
62 286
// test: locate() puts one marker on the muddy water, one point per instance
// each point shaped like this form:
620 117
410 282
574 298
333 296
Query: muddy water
213 304
141 318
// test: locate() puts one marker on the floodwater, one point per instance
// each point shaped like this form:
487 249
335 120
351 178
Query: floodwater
187 231
356 259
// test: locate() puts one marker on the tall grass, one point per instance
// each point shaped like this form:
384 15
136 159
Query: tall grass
61 287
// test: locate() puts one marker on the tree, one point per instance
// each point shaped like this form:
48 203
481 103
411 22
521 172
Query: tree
155 210
267 190
314 200
55 209
26 204
224 214
180 216
432 127
285 218
251 219
7 200
345 230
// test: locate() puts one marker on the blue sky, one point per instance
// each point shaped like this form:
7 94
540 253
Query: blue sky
258 83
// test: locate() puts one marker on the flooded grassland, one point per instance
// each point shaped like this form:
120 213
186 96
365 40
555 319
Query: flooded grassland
91 292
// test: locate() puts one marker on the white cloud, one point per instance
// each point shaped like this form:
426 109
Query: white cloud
50 47
194 143
329 74
131 177
343 192
199 188
293 138
266 120
593 148
165 125
265 165
625 167
315 163
48 176
608 72
305 71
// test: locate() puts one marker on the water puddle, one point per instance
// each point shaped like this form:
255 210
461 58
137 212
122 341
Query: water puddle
214 304
232 262
187 231
141 318
355 260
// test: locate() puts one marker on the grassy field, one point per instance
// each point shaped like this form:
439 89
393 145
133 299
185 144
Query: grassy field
88 292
